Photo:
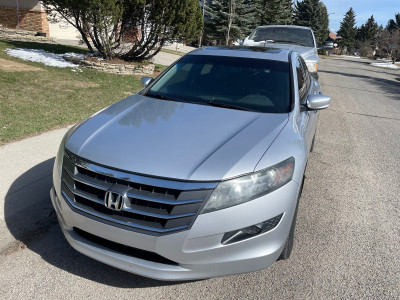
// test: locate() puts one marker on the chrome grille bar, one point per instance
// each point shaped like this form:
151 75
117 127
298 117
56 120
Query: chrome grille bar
158 182
163 201
83 194
157 209
127 223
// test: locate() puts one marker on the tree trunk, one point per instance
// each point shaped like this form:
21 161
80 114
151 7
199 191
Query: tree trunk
230 20
85 39
202 31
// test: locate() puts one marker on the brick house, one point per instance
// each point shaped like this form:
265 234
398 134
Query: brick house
31 16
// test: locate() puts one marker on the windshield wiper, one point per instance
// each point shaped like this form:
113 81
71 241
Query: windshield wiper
289 42
211 103
161 96
164 97
226 105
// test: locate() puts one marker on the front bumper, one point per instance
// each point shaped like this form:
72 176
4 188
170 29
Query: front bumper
198 252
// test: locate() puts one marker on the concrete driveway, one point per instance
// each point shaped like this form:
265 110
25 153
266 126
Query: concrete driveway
347 237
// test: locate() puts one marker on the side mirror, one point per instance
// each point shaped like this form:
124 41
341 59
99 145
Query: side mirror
319 101
326 46
146 80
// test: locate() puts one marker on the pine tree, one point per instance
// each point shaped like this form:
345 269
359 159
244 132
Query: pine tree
368 31
246 13
229 20
275 12
348 30
261 7
323 31
394 24
312 13
216 21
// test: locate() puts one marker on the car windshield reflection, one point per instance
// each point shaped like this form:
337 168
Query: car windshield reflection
230 82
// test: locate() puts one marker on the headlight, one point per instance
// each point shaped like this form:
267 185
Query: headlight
312 66
59 157
57 170
60 153
246 188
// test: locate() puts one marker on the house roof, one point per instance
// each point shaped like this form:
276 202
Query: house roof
332 35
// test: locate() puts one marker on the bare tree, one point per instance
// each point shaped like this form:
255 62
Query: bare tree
389 43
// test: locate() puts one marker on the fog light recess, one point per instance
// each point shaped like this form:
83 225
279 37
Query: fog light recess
251 231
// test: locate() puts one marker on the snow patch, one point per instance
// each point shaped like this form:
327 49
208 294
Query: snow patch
350 56
74 55
386 65
38 55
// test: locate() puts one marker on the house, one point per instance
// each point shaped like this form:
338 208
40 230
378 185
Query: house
27 15
332 36
30 15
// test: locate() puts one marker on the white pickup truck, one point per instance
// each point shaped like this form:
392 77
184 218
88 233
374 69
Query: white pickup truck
297 38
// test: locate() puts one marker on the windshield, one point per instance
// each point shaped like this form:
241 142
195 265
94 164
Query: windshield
231 82
297 36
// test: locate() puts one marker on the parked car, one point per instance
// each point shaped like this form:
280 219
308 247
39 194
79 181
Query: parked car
199 174
297 38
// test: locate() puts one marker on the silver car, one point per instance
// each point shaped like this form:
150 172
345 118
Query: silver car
296 38
199 174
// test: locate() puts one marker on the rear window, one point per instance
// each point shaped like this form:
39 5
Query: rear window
297 36
248 84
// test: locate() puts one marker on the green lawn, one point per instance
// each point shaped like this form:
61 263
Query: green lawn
32 102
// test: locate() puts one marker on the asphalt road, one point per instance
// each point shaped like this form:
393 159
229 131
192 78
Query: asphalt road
348 229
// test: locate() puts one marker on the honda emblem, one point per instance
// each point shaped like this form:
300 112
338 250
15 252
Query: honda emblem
114 201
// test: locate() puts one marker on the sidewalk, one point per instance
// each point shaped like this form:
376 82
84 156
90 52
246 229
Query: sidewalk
26 178
165 59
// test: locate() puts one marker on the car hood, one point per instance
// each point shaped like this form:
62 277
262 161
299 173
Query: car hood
308 53
176 140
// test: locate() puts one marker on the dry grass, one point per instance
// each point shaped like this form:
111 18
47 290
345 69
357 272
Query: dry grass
13 66
35 101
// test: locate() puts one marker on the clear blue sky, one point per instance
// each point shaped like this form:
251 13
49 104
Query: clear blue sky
383 10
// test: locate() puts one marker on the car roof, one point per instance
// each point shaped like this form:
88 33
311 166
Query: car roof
267 53
285 26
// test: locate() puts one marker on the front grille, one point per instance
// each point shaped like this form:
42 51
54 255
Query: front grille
119 248
150 205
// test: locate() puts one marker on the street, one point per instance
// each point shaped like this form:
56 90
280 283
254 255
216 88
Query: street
347 240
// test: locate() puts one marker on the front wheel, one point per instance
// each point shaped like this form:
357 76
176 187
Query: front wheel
315 75
312 144
287 249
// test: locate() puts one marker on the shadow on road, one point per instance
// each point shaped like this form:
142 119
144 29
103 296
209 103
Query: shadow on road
30 218
389 87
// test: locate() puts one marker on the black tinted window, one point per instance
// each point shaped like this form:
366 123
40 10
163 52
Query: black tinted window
252 84
298 36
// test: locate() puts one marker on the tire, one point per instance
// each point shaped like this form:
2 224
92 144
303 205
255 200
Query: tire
315 75
312 144
287 249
